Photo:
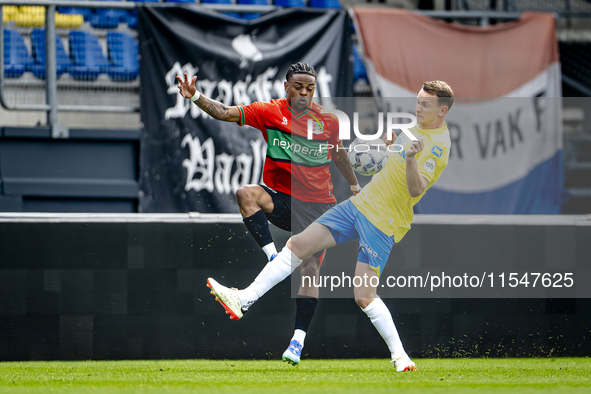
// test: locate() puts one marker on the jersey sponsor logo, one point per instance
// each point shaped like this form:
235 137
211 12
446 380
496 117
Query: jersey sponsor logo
288 147
284 121
437 151
429 165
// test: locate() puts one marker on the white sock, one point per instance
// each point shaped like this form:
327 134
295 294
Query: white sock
269 250
300 336
382 320
274 272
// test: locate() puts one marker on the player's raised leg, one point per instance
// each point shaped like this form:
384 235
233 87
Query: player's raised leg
314 239
373 306
254 202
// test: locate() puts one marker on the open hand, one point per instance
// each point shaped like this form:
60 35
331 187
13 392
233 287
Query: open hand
187 88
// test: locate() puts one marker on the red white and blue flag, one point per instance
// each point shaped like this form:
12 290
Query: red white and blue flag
506 122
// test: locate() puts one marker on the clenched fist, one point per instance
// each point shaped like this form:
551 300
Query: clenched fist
415 148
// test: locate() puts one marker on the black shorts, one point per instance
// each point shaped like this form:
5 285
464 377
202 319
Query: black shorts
291 214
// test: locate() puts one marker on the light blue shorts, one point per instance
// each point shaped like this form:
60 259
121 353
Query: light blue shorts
346 223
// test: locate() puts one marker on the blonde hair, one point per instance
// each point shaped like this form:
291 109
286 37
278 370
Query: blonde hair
442 90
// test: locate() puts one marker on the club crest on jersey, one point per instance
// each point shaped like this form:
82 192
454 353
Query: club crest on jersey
284 121
318 127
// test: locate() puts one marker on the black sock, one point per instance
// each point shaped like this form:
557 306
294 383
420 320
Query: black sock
258 225
305 312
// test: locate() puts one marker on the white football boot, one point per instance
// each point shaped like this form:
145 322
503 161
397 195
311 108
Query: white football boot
404 364
227 297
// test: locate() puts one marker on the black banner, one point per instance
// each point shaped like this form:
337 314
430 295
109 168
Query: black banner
189 161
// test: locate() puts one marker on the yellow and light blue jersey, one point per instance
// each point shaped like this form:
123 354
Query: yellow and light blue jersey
386 201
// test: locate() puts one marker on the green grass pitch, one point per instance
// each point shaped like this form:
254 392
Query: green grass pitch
551 375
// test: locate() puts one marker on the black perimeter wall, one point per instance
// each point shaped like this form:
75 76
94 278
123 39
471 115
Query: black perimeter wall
137 291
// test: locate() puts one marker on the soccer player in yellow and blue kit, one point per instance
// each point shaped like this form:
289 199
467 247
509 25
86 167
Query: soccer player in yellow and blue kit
379 216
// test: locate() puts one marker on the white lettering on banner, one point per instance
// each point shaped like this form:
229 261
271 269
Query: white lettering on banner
240 88
263 88
225 92
258 159
245 47
323 81
242 174
208 171
223 172
199 164
182 106
279 88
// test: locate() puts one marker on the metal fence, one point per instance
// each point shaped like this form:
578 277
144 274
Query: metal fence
50 91
55 93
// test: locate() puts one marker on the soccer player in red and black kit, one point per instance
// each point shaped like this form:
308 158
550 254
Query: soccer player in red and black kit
297 187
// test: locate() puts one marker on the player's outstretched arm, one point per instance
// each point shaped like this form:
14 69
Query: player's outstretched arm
341 161
414 181
213 108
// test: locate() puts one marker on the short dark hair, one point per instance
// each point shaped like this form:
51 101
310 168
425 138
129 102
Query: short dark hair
442 90
300 68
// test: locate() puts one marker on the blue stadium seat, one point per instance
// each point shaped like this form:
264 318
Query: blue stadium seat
87 57
132 21
16 55
103 18
325 4
38 51
252 2
232 14
85 12
180 1
290 3
123 57
359 71
107 19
